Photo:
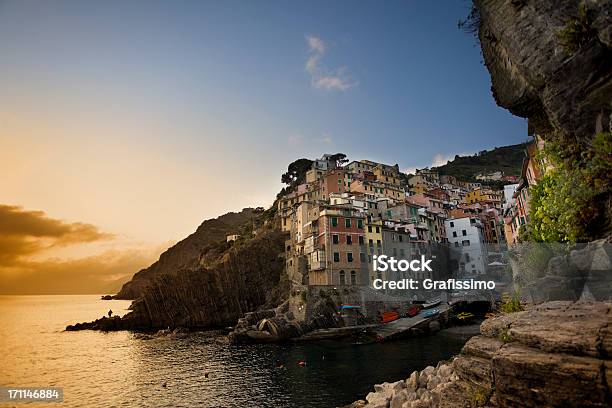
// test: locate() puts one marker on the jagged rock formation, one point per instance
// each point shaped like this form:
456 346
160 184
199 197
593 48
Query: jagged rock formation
186 254
217 295
243 279
557 354
534 75
303 312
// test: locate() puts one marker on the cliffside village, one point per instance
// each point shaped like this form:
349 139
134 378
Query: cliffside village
343 215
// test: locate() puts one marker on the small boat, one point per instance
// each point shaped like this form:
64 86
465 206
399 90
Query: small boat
430 313
350 307
387 317
413 310
431 303
465 315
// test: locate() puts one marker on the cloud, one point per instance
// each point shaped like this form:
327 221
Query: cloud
25 233
440 159
101 273
322 77
315 44
26 237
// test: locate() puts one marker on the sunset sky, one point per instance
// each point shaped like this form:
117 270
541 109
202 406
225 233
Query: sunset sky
123 125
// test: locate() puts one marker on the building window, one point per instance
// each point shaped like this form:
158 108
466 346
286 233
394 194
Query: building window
349 257
362 257
463 232
401 238
342 278
353 278
347 222
378 242
361 240
369 228
452 224
334 221
360 224
335 239
349 240
336 256
378 230
370 242
454 234
465 242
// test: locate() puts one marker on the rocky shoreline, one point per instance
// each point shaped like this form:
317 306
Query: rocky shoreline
557 354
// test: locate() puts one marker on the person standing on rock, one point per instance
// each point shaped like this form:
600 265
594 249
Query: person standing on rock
110 313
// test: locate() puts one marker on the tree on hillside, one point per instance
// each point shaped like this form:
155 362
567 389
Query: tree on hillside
296 173
339 158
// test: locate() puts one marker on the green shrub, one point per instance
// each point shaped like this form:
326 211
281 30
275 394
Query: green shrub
566 203
480 396
511 304
505 336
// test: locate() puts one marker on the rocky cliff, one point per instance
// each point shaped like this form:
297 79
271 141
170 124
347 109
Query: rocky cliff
557 354
550 62
186 254
243 278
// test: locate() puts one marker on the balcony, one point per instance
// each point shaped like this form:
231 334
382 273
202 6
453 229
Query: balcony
317 260
317 265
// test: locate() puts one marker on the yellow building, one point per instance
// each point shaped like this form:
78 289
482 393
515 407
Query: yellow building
374 243
387 175
480 195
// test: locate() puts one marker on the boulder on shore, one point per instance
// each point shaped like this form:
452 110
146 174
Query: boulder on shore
557 354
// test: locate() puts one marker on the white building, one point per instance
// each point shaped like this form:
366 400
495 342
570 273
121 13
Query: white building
466 240
509 190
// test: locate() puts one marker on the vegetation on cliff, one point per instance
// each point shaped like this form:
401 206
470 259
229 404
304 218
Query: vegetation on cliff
507 159
550 62
572 200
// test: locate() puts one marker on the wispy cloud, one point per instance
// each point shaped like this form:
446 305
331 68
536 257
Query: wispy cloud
440 159
322 77
316 44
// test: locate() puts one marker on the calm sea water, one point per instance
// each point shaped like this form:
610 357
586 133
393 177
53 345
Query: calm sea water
117 369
